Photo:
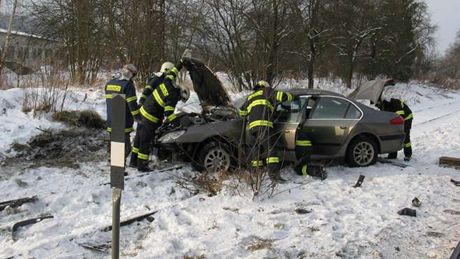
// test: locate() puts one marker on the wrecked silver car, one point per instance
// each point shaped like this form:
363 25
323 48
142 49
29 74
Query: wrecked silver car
341 128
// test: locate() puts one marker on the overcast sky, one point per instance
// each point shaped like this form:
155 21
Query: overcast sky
446 15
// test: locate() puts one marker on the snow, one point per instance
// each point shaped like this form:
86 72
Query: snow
19 127
343 222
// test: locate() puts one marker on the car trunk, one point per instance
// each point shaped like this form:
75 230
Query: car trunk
371 90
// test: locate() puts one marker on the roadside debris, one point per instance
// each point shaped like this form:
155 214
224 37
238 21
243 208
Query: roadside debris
392 162
27 222
449 162
456 183
17 202
302 211
104 246
456 252
416 202
359 182
408 212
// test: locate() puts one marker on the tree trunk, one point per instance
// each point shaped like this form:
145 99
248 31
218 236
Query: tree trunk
349 77
7 41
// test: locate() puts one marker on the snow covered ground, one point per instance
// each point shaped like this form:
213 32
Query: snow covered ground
344 221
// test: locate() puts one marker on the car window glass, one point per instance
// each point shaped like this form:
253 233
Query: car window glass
353 113
288 111
330 108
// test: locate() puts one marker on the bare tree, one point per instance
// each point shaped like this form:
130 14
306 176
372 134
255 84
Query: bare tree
7 41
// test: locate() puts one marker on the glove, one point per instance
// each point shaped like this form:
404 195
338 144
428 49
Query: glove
137 118
173 125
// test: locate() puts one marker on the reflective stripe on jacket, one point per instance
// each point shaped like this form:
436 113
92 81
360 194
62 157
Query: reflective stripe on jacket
399 107
162 101
260 105
126 87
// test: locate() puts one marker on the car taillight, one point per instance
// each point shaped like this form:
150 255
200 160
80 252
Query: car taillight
397 121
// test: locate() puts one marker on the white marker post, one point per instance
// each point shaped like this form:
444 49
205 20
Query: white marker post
117 166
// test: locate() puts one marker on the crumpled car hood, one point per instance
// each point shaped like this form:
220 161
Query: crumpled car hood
208 87
371 90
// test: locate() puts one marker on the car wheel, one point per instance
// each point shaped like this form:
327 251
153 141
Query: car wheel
362 151
214 157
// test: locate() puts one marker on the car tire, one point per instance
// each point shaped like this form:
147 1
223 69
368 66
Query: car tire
213 157
362 151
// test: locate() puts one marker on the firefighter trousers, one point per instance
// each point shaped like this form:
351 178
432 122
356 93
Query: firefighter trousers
264 149
145 134
407 144
303 149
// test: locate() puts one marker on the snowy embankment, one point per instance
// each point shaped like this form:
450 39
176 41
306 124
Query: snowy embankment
342 221
19 127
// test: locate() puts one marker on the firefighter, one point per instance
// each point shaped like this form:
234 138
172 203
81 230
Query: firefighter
258 109
123 84
158 107
400 107
303 150
155 80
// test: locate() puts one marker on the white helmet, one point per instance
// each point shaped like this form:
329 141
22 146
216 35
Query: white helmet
184 93
165 67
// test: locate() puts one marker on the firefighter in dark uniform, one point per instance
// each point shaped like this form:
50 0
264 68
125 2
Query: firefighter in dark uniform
123 84
258 109
158 106
154 81
401 108
303 150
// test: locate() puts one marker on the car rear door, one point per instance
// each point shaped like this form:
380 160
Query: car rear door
330 122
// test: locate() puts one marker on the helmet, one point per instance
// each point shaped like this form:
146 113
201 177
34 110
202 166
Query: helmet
165 67
184 93
129 71
261 84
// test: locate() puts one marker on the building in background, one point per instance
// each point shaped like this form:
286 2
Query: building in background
29 49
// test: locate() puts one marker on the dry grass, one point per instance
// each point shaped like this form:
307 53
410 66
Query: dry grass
210 184
46 91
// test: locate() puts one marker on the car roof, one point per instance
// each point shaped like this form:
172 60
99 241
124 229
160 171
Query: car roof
306 91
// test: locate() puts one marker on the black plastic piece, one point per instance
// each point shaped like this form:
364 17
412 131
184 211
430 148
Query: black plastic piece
27 222
408 212
360 181
18 202
456 183
130 220
456 253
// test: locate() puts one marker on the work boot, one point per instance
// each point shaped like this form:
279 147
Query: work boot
133 161
317 171
407 158
276 177
143 166
392 155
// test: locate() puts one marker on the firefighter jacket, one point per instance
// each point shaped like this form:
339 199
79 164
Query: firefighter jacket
399 107
126 87
152 83
260 105
162 101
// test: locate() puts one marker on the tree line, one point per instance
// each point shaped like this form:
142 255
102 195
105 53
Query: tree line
249 39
